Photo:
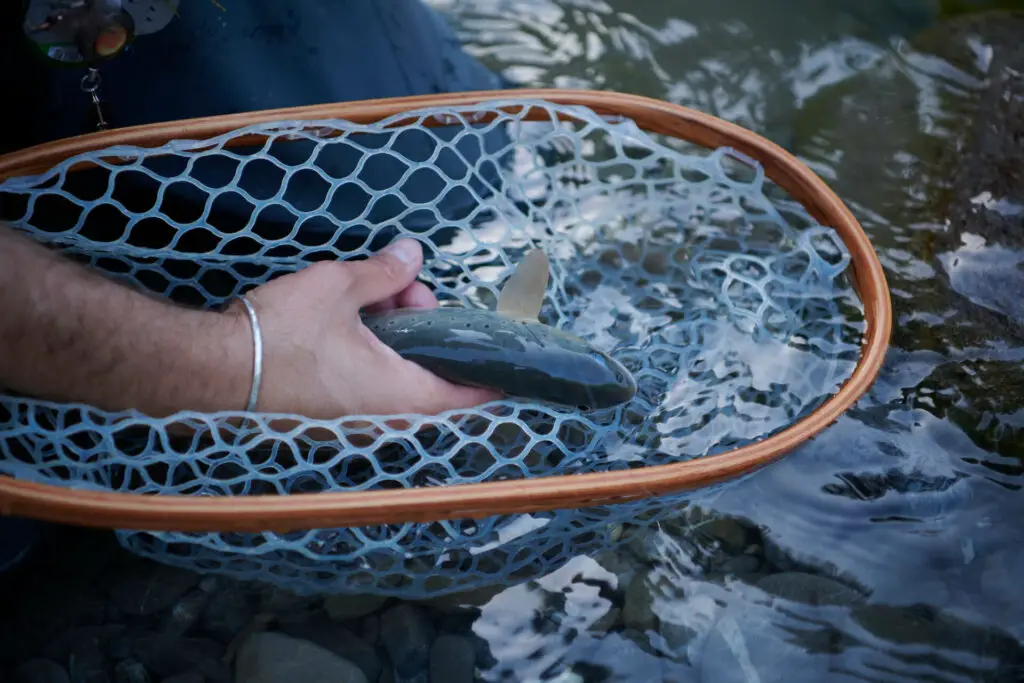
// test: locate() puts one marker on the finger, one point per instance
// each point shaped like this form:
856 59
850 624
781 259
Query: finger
384 274
437 395
416 295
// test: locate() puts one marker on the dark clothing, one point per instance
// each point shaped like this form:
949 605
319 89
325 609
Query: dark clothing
259 54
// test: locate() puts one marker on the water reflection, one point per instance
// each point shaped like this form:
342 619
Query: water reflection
908 508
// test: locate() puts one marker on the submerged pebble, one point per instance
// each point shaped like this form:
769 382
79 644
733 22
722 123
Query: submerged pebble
188 611
638 612
131 671
167 656
229 609
730 533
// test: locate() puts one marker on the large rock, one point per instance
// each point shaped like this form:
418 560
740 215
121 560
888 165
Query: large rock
339 640
147 588
269 657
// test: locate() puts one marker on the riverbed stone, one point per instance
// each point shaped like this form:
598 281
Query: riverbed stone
270 657
638 610
345 607
731 534
167 656
187 612
607 621
407 636
339 640
148 588
452 660
809 589
131 671
229 610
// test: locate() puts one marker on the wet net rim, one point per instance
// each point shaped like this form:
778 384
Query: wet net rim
478 500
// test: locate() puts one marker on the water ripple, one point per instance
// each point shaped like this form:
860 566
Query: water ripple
912 500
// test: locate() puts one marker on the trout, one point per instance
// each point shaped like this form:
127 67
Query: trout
508 349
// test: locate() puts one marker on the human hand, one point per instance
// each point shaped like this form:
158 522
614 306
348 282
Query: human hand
320 361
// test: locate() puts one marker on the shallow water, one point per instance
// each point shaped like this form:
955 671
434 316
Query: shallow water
887 549
914 497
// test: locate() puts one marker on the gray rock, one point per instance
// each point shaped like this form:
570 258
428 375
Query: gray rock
452 660
187 612
371 629
60 649
131 671
87 662
40 671
809 589
620 564
406 635
269 657
741 565
779 557
677 636
287 607
638 612
228 612
167 656
151 588
606 622
730 533
339 640
343 607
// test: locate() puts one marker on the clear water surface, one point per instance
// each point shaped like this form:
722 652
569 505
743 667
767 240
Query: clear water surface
906 513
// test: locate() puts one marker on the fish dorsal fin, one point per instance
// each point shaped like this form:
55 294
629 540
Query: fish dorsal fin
523 293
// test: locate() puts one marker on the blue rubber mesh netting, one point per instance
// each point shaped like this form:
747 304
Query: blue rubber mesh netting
727 301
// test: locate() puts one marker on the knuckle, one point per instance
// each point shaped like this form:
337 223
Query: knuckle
334 272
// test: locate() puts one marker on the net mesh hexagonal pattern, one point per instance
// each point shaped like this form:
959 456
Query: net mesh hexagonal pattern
727 301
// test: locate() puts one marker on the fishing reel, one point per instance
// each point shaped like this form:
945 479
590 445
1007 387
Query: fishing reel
86 33
89 32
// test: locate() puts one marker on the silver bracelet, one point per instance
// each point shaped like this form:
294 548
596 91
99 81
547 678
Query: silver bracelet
257 363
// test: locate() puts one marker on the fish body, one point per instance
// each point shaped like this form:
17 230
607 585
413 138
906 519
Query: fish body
520 357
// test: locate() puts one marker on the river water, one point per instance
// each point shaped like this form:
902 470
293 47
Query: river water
906 512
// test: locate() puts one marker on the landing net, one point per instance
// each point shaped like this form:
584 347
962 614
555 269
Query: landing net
726 300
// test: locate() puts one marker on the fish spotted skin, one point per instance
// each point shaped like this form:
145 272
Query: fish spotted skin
523 358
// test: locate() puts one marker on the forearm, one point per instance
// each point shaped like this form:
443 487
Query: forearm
68 333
